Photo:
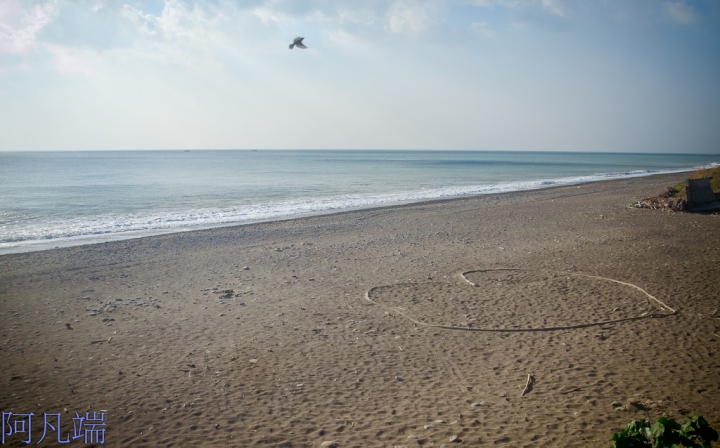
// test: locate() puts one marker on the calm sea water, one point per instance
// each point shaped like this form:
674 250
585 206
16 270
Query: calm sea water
66 198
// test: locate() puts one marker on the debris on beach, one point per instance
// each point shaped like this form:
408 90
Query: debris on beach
699 193
528 385
665 201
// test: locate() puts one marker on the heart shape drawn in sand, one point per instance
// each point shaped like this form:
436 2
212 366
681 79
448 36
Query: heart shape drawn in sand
514 300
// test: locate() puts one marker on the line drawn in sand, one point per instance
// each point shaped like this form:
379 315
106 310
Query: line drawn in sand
668 311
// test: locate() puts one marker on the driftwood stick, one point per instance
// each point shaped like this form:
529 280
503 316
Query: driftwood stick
530 380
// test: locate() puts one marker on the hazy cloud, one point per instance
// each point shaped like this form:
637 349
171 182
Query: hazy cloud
462 74
70 61
408 17
484 29
553 7
681 12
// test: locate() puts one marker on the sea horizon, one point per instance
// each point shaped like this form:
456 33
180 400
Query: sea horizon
65 198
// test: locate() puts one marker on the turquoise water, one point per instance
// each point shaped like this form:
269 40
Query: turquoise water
52 199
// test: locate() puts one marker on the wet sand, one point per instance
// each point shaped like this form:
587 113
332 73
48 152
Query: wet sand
358 328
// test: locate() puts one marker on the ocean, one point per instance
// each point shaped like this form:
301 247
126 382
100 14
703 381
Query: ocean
50 199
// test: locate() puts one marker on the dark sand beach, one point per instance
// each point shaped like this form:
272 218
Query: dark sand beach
263 335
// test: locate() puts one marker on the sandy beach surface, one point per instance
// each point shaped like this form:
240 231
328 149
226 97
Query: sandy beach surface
358 328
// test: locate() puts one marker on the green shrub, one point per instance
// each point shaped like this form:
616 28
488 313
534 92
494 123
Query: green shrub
666 433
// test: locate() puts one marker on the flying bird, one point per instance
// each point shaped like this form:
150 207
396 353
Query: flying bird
298 43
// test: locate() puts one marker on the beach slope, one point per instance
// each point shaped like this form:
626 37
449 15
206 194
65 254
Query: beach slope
359 328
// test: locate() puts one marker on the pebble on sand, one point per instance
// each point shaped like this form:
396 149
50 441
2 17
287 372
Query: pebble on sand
329 444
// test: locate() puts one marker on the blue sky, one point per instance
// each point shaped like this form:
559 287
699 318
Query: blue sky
551 75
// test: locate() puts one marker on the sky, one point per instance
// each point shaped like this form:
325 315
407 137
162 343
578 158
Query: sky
531 75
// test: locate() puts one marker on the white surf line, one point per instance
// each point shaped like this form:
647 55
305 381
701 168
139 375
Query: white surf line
518 330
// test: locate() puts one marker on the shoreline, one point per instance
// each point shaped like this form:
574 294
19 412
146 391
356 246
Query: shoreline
85 240
286 351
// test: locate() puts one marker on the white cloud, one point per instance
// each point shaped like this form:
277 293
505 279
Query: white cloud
408 18
146 23
19 27
680 12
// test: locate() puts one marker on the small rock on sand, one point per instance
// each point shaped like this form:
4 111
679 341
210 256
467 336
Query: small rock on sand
253 361
329 444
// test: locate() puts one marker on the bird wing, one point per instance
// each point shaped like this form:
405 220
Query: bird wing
298 40
299 45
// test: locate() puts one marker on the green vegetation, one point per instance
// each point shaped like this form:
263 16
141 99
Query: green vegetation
713 173
666 433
